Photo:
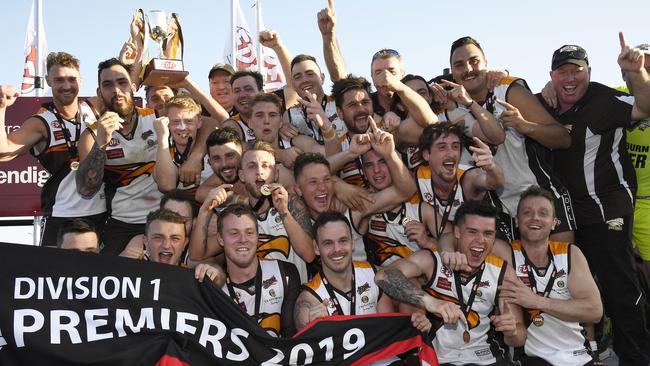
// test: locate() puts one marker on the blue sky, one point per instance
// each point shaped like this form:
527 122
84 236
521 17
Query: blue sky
517 35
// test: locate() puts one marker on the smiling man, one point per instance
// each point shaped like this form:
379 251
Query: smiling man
600 177
245 85
51 136
529 129
563 291
266 290
473 340
120 150
176 137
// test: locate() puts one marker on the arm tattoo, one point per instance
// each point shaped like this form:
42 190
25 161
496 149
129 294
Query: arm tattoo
300 213
301 311
397 286
90 175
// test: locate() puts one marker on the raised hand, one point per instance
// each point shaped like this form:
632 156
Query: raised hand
382 142
512 117
457 93
386 79
280 198
217 196
630 59
161 126
108 123
270 39
327 19
456 261
505 322
314 109
481 154
8 95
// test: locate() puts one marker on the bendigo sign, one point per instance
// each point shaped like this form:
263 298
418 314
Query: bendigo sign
83 308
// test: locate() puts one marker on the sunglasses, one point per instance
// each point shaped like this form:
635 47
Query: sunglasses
566 53
385 53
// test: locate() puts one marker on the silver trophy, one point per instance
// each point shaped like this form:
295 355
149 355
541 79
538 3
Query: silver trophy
161 70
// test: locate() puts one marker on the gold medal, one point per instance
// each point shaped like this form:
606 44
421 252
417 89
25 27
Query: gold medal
466 337
265 190
406 220
538 321
74 165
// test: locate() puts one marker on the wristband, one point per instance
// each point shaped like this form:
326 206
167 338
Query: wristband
470 105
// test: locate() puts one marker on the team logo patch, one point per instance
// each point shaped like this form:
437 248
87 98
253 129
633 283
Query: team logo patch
365 299
484 284
278 219
560 284
251 133
151 143
269 282
446 271
378 225
145 134
272 293
456 203
56 124
115 154
523 268
113 142
561 273
59 135
428 197
479 293
363 288
615 224
444 284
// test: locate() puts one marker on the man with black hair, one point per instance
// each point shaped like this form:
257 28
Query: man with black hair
315 184
78 234
120 150
471 296
530 131
307 79
245 85
224 149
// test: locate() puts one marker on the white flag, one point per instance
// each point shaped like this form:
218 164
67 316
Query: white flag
271 69
31 47
245 44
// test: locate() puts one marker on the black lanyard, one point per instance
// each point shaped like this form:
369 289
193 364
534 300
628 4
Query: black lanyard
330 291
531 277
466 307
178 157
257 292
259 204
391 216
448 206
72 145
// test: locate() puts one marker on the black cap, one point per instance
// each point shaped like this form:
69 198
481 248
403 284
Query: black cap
569 54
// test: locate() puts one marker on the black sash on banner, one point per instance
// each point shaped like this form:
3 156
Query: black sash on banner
63 307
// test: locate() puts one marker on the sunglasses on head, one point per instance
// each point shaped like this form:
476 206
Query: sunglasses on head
576 54
386 52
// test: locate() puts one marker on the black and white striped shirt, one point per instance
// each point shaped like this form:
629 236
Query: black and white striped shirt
596 168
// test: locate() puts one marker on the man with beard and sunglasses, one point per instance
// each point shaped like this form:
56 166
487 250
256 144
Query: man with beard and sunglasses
51 136
120 151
